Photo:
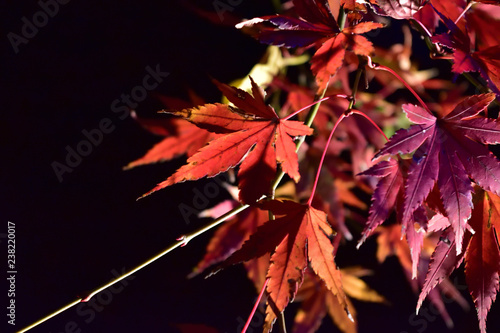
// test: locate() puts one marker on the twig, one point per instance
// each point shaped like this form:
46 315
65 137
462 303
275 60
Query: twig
182 241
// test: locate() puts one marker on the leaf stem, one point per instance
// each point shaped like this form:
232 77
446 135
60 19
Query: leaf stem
256 305
311 115
314 103
355 89
306 107
346 114
182 241
323 157
342 18
372 122
422 27
475 82
387 69
469 5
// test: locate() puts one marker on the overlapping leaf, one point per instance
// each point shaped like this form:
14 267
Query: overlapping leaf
181 137
448 151
390 242
230 236
315 24
482 261
185 139
388 196
298 237
466 58
254 136
317 301
443 262
481 253
389 188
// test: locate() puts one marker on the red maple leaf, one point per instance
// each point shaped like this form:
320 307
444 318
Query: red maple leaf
466 58
388 189
316 302
181 137
254 136
185 138
482 261
480 20
444 261
297 237
482 256
230 236
388 196
316 25
330 56
448 151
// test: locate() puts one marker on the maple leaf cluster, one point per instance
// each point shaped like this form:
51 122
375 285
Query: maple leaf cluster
434 185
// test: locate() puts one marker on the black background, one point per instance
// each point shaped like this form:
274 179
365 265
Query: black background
71 235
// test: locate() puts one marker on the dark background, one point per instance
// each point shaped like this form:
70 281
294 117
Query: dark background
71 235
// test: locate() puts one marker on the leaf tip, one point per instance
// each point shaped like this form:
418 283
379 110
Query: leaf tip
472 231
366 233
141 197
349 315
145 195
248 22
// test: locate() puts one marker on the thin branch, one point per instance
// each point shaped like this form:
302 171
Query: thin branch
355 89
342 17
215 223
53 314
182 241
476 83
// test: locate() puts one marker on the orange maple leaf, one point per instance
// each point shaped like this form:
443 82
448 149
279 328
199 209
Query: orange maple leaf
297 237
254 136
